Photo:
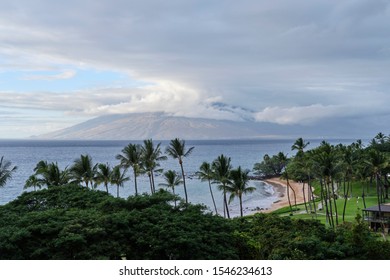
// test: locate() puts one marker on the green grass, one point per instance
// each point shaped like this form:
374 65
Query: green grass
354 205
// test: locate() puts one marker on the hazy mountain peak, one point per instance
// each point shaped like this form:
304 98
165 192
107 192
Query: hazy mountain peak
160 126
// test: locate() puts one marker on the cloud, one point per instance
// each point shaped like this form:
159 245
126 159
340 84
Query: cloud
67 74
272 61
297 115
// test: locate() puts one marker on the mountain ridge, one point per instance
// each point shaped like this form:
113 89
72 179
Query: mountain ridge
137 126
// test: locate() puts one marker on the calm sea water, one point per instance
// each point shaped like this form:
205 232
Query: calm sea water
25 154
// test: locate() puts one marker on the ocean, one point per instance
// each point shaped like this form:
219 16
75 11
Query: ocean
25 154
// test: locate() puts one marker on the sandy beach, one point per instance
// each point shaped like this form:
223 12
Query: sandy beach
280 187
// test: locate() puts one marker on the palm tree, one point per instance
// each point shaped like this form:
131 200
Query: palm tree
239 185
6 171
150 158
33 182
83 170
376 162
41 167
221 167
103 175
206 173
327 168
299 145
118 178
381 138
177 150
132 157
51 174
308 168
283 160
348 164
172 180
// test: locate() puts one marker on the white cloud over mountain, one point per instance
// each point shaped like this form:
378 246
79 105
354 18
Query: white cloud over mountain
316 63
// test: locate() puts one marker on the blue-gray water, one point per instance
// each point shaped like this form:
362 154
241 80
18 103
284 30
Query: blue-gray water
26 154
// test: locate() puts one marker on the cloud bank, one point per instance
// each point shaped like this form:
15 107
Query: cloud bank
317 64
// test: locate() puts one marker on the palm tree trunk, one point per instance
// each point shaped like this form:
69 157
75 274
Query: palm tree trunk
135 181
184 181
364 197
225 203
106 185
241 212
346 195
117 190
330 203
311 195
304 197
153 186
212 197
325 200
295 196
335 204
150 182
322 193
289 201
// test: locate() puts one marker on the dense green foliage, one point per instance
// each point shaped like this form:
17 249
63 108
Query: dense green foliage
73 222
268 236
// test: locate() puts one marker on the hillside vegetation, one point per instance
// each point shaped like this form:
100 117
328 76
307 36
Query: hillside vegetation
73 222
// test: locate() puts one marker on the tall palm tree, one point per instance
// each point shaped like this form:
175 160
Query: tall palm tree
308 169
381 138
348 165
206 173
376 162
151 156
6 171
283 160
177 150
221 167
327 168
299 145
83 170
51 174
103 175
239 185
33 182
132 157
118 178
172 180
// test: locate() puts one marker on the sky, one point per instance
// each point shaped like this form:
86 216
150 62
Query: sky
320 66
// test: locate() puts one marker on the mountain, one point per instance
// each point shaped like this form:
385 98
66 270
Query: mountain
160 126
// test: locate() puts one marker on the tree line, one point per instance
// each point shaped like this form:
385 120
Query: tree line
146 160
333 169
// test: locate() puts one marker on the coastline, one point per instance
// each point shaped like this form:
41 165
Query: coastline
280 187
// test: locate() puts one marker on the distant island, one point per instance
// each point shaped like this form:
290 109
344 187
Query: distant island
163 127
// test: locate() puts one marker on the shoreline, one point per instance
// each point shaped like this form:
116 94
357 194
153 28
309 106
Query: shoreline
280 187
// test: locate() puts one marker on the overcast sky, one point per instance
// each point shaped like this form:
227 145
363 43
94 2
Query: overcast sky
321 66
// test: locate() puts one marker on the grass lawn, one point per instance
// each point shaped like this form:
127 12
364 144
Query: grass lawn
354 206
